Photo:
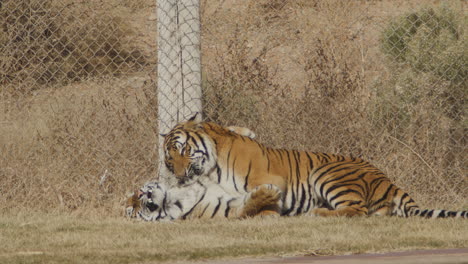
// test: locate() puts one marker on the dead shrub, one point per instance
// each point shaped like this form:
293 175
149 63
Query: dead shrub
235 87
93 152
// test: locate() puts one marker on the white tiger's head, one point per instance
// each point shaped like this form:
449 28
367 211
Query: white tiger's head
149 202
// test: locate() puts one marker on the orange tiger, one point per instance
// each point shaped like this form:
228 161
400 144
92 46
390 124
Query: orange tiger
312 183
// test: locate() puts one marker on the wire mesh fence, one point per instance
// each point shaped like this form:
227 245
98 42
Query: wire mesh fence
385 80
77 100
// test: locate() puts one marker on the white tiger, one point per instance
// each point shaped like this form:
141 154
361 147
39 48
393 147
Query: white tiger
155 201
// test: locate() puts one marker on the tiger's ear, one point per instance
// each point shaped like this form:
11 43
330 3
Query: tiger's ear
196 118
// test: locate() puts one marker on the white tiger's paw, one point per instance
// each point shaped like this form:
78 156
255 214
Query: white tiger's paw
129 212
243 131
250 134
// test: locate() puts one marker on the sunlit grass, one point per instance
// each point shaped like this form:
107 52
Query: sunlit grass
40 238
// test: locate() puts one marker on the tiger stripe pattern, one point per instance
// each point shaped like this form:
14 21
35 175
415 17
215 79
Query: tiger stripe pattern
312 183
156 202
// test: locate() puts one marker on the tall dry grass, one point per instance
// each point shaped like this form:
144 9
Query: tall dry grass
85 154
302 74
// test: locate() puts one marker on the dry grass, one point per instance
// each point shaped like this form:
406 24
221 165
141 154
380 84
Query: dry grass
67 167
39 238
303 74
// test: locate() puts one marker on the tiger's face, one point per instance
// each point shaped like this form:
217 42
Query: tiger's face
187 157
153 195
148 202
189 153
185 164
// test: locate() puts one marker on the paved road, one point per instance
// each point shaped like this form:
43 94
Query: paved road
445 256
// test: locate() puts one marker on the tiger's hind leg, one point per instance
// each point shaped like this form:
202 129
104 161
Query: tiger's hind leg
348 208
263 200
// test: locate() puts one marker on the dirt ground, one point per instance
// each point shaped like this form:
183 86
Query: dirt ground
446 256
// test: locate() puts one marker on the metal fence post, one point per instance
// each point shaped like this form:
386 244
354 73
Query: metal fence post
179 74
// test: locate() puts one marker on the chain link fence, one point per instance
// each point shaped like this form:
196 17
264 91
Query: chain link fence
78 101
385 80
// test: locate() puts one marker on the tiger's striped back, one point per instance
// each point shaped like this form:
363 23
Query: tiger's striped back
356 187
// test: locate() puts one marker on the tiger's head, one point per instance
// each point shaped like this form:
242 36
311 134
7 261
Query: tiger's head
188 151
148 202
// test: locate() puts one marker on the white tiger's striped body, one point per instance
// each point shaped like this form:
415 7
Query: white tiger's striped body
200 199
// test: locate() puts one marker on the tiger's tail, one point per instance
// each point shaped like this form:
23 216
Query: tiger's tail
406 207
437 213
266 197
